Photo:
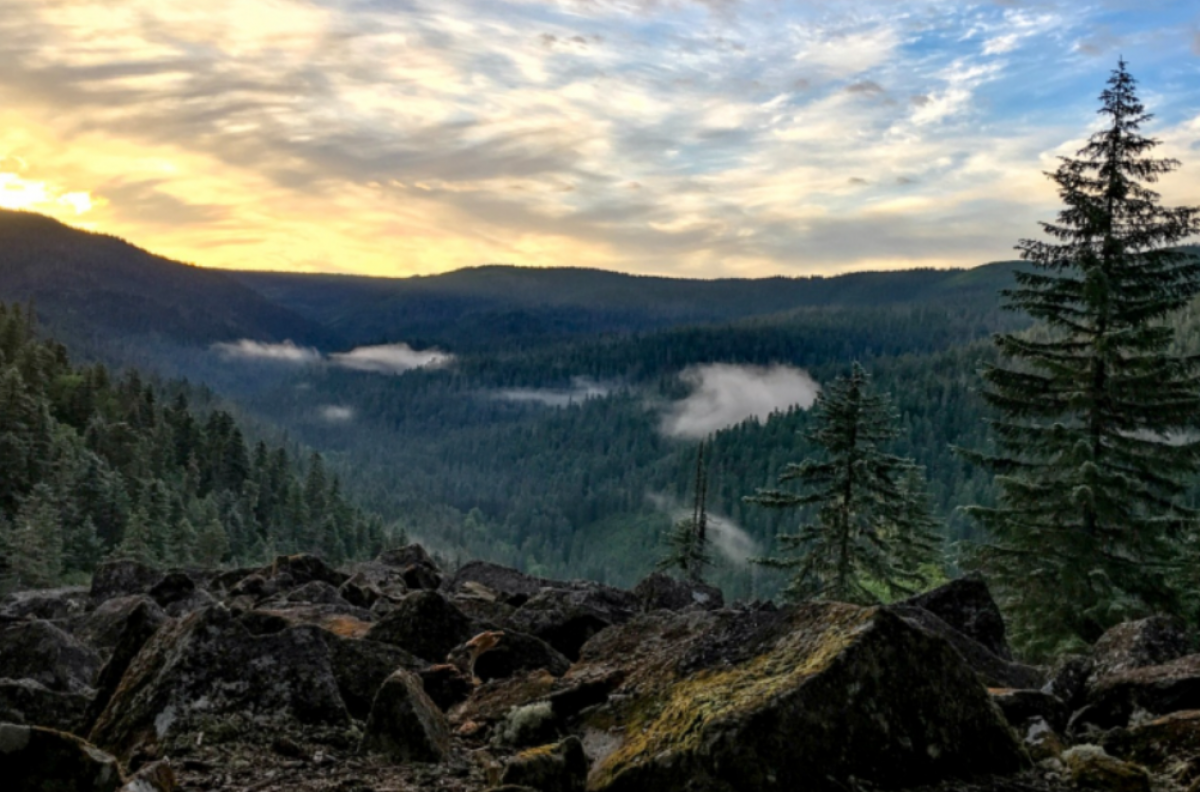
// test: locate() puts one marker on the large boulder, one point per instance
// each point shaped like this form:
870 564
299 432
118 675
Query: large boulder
293 571
139 626
50 604
122 578
801 698
426 624
1138 644
42 652
513 586
361 666
42 760
208 673
178 594
29 702
993 670
661 591
1170 746
966 604
405 725
102 628
508 654
567 618
1116 700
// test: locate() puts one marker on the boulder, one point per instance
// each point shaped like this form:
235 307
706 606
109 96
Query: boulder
1169 746
296 570
802 698
178 594
102 628
405 725
208 673
511 585
419 577
426 624
1113 701
1138 644
29 702
509 654
139 626
360 667
1037 717
492 702
33 759
344 619
42 652
360 593
407 556
550 768
966 604
993 670
567 618
155 777
661 591
446 685
122 578
1091 768
317 592
1069 680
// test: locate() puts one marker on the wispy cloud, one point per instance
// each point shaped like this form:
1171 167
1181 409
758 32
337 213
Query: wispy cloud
334 413
582 389
287 352
390 358
724 395
673 136
730 539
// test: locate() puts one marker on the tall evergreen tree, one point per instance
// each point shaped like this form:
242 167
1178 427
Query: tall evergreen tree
871 529
688 548
1091 445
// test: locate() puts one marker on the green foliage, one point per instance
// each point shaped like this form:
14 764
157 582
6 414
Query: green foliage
95 466
872 528
688 549
1093 453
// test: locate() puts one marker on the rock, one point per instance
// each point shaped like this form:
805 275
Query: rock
966 604
37 705
419 577
40 651
1169 746
512 586
224 583
1138 644
1069 679
46 604
511 653
102 628
33 759
993 671
208 673
407 556
178 594
1114 700
493 701
484 611
296 570
317 592
661 591
426 624
359 593
1037 717
155 777
139 626
361 667
405 724
567 618
527 725
804 697
551 768
344 619
1093 769
446 685
122 578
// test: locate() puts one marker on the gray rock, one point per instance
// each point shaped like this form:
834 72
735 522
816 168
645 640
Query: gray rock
966 604
426 624
42 652
37 705
405 724
661 591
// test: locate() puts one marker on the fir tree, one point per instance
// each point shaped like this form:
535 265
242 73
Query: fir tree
33 546
138 542
212 543
687 542
872 529
1091 446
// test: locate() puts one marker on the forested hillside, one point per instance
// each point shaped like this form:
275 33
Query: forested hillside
96 465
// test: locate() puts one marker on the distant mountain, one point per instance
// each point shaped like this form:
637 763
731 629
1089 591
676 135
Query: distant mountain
475 308
95 286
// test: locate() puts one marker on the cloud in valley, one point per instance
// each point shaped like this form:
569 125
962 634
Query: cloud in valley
287 352
582 389
389 358
730 539
724 395
334 413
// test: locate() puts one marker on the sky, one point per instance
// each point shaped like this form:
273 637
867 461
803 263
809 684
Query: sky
692 138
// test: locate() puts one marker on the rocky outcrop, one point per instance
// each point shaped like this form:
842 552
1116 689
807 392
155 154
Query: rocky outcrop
405 725
966 604
805 697
208 673
40 651
660 591
36 760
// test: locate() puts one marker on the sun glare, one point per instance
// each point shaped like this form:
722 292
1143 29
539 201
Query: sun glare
20 193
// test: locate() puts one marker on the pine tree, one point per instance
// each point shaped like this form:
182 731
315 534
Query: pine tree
687 542
33 546
138 541
871 530
1091 446
212 543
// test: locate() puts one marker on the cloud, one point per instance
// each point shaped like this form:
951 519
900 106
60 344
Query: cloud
390 358
337 414
287 352
582 389
731 540
724 395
